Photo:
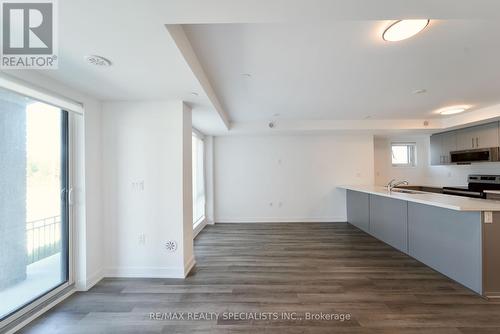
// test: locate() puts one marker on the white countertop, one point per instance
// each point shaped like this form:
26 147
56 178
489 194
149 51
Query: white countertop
440 200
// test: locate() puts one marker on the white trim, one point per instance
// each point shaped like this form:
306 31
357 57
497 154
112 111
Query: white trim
189 266
341 219
29 90
87 284
146 272
199 226
33 305
197 133
40 312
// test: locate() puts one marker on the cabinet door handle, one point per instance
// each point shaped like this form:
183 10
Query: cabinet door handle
472 142
477 142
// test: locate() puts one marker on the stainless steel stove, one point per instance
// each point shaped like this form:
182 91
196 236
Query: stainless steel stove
477 185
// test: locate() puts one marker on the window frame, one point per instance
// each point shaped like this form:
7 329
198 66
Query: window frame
412 154
17 318
75 110
197 134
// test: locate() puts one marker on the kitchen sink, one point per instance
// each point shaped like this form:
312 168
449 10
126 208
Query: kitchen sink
421 189
405 191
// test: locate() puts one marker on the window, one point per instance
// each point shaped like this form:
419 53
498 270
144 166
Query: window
403 154
198 179
34 210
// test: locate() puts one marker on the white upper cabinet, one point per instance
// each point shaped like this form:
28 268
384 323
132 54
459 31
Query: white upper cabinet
482 136
441 146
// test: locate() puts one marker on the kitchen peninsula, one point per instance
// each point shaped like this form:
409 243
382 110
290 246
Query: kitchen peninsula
456 236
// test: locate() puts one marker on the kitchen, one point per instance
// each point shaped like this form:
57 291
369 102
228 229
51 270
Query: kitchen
449 227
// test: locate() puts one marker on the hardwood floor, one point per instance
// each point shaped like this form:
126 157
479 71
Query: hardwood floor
301 268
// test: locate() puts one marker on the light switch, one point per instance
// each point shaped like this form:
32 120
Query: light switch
488 217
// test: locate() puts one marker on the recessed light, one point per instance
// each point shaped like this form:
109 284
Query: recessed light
419 91
452 110
404 29
98 61
246 75
277 115
194 94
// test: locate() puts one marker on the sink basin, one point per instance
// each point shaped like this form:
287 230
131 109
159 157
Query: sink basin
405 191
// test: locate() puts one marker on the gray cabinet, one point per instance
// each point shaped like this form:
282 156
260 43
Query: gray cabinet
441 146
358 209
482 136
447 241
451 242
388 221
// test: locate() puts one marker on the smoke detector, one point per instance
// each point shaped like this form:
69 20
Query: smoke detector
98 61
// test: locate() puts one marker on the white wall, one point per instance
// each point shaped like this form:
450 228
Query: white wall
423 173
285 178
88 207
147 188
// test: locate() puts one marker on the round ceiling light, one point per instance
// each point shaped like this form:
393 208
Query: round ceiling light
98 61
453 110
404 29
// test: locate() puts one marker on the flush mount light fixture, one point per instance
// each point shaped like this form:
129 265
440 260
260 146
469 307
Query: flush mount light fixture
403 29
452 110
98 61
419 91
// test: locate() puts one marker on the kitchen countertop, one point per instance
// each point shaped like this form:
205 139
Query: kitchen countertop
440 200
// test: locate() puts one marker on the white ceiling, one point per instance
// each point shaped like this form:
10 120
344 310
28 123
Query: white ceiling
309 59
343 69
147 64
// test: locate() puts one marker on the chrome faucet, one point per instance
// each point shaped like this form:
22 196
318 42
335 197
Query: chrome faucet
391 185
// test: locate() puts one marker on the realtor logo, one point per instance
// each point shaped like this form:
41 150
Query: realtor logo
29 35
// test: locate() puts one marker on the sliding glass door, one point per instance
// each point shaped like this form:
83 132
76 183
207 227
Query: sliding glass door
34 212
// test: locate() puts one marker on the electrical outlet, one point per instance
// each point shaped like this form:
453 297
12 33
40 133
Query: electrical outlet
142 239
138 185
488 217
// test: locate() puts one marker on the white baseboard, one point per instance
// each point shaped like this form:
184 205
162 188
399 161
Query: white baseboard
199 227
151 272
90 281
146 272
189 266
282 220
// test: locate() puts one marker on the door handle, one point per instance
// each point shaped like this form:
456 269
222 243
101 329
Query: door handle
71 198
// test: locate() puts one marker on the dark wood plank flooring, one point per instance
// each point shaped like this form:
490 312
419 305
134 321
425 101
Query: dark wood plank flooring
306 267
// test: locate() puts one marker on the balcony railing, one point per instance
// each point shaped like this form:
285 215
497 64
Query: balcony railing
43 238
